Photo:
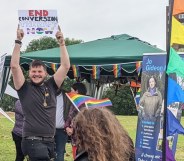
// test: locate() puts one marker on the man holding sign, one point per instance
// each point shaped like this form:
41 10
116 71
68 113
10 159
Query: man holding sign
38 98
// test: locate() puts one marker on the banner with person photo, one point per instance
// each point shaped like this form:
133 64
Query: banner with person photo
151 109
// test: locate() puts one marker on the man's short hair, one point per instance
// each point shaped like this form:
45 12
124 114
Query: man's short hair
37 63
80 87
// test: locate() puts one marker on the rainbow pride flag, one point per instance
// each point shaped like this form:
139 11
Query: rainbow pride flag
78 99
138 67
98 103
117 70
95 72
54 66
76 72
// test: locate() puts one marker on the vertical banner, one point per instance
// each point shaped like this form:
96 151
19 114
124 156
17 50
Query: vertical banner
2 60
38 22
150 109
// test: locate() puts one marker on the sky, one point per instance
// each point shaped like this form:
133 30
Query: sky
91 19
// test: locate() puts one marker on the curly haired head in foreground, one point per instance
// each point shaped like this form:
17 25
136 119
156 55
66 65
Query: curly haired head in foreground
99 133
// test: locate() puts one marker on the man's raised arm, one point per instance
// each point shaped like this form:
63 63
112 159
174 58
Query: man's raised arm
62 71
18 77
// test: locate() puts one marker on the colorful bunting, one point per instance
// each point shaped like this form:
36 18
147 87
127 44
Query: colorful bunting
138 67
55 66
95 72
117 70
98 103
173 125
76 72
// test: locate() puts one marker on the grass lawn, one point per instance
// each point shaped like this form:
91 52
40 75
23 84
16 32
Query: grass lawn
7 148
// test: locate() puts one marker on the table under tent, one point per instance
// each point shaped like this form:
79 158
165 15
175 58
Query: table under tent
116 58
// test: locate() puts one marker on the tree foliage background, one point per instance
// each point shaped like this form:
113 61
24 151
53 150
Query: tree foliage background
48 43
122 100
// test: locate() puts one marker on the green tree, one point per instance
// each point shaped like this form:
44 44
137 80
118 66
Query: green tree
7 103
72 41
47 43
67 84
122 100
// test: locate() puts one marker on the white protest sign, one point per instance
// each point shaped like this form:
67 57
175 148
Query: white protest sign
38 22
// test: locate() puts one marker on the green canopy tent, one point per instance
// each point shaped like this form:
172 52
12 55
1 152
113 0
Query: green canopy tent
104 53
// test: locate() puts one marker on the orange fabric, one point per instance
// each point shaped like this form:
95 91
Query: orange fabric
178 7
134 84
74 150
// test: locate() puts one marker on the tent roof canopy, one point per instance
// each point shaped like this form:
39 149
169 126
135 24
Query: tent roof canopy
117 49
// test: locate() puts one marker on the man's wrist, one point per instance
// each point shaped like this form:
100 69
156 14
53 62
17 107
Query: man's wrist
62 44
18 42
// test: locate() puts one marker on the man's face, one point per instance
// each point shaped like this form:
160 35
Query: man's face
37 75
